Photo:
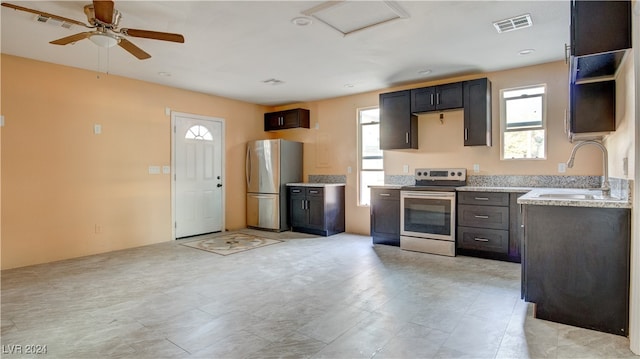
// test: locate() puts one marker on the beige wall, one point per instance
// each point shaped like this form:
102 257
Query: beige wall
59 180
332 148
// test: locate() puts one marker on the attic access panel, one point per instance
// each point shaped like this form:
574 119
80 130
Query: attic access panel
348 17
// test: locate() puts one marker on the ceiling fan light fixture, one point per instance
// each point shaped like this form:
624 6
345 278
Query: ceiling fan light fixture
104 40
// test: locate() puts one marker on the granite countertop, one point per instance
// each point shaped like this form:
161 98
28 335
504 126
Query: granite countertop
387 186
572 197
494 189
308 184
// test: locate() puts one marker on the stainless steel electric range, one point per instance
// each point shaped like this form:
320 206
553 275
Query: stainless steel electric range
428 211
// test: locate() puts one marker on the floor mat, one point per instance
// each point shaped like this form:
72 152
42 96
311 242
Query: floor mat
230 243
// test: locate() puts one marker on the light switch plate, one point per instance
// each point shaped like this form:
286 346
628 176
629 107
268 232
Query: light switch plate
154 170
97 129
166 170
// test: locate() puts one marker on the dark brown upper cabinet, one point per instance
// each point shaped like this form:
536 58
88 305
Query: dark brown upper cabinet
282 120
477 112
593 107
398 126
600 35
436 98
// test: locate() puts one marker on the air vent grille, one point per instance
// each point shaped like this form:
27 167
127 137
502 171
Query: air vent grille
513 23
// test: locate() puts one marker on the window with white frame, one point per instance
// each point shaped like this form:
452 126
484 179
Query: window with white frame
371 170
522 116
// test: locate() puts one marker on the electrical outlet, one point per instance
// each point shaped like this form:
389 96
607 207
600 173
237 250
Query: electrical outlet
97 129
405 168
476 168
625 166
562 167
349 170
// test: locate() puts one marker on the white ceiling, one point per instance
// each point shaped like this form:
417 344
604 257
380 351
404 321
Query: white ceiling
231 47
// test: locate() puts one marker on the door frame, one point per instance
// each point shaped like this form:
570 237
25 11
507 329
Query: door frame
175 114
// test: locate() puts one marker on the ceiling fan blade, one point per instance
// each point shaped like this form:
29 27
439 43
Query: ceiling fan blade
133 49
45 14
71 39
103 10
155 35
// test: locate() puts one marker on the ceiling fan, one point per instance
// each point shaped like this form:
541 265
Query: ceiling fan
104 19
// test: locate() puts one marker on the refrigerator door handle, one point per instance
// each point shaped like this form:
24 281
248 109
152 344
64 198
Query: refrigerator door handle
247 167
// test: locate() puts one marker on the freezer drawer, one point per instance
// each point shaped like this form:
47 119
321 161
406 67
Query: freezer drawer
263 211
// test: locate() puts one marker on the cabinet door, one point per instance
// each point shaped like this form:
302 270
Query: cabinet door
593 107
385 216
272 121
516 226
600 26
297 118
398 127
477 112
315 208
449 96
577 262
297 208
424 99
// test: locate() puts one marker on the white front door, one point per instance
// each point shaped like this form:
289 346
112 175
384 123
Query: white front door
198 174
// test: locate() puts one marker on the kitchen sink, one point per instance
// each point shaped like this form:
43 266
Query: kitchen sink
566 196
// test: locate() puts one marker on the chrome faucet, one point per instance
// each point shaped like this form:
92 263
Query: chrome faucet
606 188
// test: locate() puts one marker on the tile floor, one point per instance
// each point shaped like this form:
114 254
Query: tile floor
308 297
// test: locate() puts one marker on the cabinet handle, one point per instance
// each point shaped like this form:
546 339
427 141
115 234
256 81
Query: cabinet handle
384 194
295 191
567 49
431 99
481 198
466 134
313 192
480 239
406 137
438 98
481 216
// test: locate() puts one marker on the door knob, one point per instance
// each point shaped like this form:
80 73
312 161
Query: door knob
219 185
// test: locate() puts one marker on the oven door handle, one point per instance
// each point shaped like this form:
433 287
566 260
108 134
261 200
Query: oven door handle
439 195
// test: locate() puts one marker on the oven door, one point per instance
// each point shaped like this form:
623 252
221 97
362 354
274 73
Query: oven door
428 214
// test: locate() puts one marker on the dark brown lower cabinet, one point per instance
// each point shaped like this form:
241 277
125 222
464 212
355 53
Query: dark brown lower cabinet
317 210
385 216
489 225
576 265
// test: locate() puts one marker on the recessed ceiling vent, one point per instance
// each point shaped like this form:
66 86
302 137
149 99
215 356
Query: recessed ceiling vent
513 23
54 22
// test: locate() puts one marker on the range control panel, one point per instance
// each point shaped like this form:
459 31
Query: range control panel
437 174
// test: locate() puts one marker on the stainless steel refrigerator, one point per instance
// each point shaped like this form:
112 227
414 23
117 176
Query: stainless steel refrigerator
270 165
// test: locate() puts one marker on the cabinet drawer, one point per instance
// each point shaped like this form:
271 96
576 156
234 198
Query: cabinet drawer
315 191
484 216
297 191
484 198
381 193
489 240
